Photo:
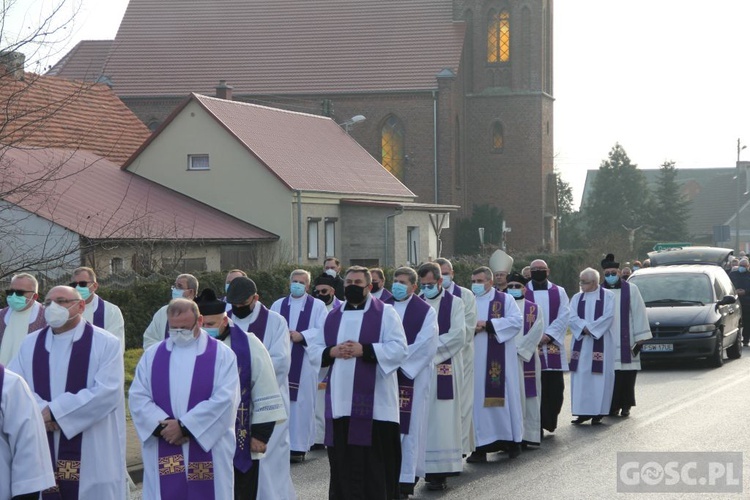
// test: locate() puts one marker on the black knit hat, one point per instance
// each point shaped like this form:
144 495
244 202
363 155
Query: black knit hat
325 279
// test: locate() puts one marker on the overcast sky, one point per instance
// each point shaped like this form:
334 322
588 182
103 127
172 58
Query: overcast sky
667 79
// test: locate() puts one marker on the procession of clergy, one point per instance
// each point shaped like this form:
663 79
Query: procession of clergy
397 385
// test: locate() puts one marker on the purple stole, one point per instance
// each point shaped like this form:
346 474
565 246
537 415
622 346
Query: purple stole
530 311
67 467
625 352
258 327
494 379
241 347
597 355
99 314
553 359
386 296
336 303
298 350
35 325
2 379
363 386
414 316
445 369
456 291
198 483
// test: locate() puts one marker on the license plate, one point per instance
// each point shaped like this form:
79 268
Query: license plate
658 347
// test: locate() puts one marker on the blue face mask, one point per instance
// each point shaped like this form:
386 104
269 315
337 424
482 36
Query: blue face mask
478 289
742 269
447 281
399 291
177 293
15 302
297 290
515 293
84 291
635 268
430 291
226 287
214 332
611 280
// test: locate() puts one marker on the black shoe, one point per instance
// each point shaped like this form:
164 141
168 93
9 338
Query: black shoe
625 412
437 484
318 446
514 450
580 420
596 420
297 457
614 413
477 458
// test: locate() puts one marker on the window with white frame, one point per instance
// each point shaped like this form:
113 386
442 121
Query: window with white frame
198 162
312 238
412 239
330 229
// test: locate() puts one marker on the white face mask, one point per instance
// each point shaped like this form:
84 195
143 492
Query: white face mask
181 336
331 273
56 315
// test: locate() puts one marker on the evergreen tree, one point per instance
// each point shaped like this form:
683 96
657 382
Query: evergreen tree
619 199
672 209
467 231
570 231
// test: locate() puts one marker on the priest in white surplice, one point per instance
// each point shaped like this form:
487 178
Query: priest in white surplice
631 328
76 372
98 311
364 344
592 354
22 316
261 404
248 313
183 401
415 375
466 379
528 358
498 415
185 287
305 316
444 430
25 465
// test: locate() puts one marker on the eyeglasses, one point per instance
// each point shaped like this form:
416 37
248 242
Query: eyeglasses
427 287
82 284
515 285
60 301
20 293
586 282
610 274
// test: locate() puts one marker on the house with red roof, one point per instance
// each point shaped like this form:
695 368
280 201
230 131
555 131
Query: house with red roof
297 175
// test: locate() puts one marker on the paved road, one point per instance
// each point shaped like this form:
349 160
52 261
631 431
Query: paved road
679 408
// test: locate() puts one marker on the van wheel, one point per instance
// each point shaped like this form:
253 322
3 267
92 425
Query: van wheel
735 350
717 358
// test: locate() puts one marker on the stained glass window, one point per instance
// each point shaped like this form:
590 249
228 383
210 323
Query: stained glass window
392 146
498 38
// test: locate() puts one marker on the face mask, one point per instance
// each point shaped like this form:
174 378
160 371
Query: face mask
214 332
399 291
84 291
56 315
539 276
297 290
478 289
354 294
226 287
181 336
177 293
515 293
447 281
742 269
242 311
15 302
430 291
611 280
327 298
375 287
635 268
331 273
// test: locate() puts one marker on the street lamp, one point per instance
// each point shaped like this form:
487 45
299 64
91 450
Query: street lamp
351 121
737 215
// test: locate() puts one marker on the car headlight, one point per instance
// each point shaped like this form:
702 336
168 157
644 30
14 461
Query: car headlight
702 329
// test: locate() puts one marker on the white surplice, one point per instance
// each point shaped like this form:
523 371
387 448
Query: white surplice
556 329
302 411
274 472
25 465
526 346
210 422
113 320
639 327
16 329
419 367
591 393
444 445
498 423
98 411
156 329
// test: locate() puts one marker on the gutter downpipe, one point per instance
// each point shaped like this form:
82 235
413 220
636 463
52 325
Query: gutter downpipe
434 142
299 227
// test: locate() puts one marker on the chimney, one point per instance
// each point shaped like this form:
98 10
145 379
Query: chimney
224 91
13 64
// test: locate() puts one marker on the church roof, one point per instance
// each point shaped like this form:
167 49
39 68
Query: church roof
46 111
172 48
94 198
306 152
84 62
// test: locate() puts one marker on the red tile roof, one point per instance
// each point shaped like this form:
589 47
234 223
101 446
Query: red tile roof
306 152
96 199
283 46
84 62
45 111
